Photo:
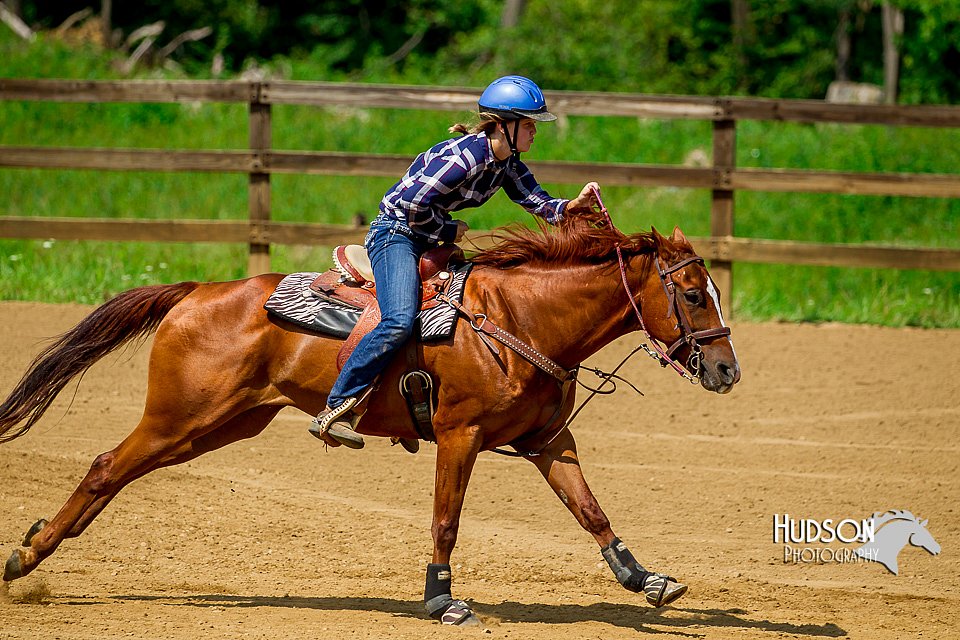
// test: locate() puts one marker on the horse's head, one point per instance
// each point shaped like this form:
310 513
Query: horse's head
680 305
921 537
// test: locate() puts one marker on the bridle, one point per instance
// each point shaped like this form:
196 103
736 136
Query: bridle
687 334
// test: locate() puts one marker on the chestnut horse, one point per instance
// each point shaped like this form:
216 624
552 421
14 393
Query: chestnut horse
221 369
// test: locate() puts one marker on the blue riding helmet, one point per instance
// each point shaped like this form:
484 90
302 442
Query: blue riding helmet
515 97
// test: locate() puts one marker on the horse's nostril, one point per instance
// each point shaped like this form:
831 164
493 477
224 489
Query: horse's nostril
726 373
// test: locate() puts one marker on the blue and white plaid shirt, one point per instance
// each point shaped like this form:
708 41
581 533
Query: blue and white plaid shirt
458 174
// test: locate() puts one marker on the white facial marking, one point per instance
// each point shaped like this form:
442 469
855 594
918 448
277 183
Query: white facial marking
712 291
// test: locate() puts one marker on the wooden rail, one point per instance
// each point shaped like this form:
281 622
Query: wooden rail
260 161
726 249
390 165
464 99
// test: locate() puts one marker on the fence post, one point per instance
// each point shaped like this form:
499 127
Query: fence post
721 206
259 186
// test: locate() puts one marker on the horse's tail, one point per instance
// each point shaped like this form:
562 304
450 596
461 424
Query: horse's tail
130 315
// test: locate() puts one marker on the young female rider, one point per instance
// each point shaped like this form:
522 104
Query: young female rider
415 215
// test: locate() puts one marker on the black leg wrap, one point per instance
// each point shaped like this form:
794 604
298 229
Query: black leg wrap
439 603
438 586
628 571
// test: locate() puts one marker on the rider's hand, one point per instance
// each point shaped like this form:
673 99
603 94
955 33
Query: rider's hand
462 228
587 201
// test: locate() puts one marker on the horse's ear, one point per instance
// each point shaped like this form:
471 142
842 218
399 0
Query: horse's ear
924 523
665 247
680 240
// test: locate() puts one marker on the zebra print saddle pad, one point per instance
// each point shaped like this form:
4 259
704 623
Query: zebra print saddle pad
294 302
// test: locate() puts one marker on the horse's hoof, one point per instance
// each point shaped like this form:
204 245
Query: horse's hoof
470 620
661 590
14 567
34 530
458 613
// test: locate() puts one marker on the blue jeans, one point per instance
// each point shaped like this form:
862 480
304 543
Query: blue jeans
394 255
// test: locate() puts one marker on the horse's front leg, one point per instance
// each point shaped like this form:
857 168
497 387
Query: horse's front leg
560 466
456 454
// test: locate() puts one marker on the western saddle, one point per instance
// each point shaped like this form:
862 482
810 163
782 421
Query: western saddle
351 282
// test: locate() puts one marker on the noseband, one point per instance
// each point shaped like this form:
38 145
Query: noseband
687 334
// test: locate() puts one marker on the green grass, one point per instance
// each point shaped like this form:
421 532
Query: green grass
868 296
90 272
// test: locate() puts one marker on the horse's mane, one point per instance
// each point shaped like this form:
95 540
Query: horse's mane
580 239
880 519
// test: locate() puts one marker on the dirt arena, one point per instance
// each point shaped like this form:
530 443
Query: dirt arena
277 538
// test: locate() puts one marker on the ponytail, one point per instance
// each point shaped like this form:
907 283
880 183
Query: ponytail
488 122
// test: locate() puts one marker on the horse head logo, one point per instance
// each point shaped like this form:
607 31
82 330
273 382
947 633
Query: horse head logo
892 531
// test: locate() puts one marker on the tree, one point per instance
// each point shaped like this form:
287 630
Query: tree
744 36
106 21
892 31
843 43
512 10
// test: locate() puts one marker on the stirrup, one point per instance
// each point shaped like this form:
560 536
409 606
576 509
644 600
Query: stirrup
660 589
339 424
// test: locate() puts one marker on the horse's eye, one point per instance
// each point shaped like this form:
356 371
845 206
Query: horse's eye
693 297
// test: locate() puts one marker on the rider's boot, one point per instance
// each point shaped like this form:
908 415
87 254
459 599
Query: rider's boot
339 424
410 445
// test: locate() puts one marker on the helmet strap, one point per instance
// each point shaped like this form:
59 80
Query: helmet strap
512 140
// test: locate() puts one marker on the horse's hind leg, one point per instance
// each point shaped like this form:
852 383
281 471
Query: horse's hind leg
109 472
241 427
112 471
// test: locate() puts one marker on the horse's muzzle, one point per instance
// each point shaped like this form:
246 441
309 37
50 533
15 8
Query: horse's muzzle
719 375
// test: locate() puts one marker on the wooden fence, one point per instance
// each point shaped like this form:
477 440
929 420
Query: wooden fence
260 161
